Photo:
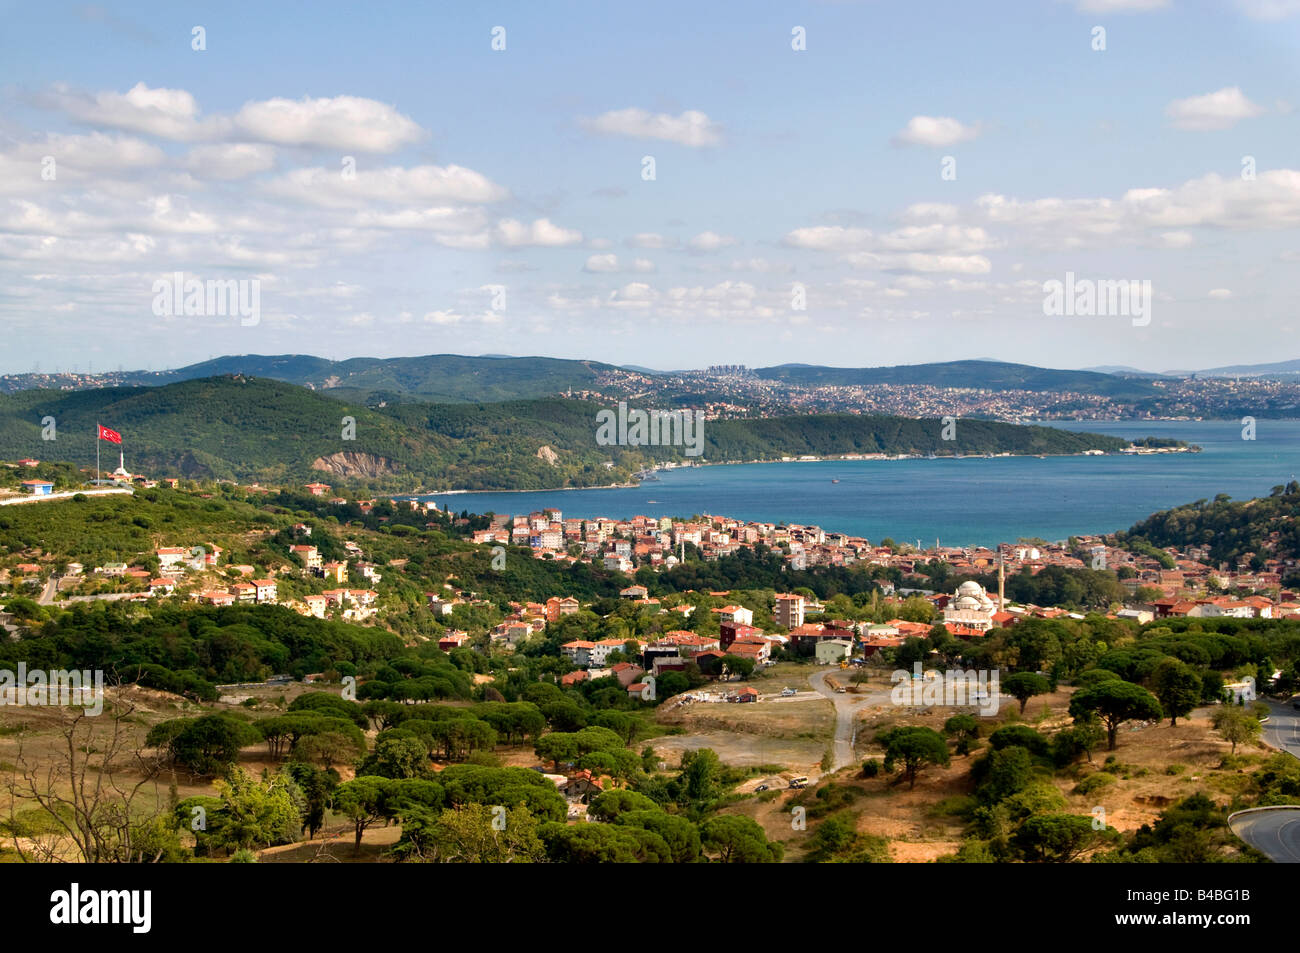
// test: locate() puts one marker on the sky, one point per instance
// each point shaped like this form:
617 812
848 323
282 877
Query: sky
669 185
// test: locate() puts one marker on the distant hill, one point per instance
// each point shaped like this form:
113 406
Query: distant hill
993 375
241 428
1122 370
433 377
1252 370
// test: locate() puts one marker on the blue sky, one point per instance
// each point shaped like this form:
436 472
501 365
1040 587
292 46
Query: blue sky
499 204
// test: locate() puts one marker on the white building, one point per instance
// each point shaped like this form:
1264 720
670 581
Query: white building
970 607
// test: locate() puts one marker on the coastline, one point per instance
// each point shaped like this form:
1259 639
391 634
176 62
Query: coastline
850 458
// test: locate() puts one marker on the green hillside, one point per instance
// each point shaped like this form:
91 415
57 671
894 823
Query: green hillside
435 377
242 428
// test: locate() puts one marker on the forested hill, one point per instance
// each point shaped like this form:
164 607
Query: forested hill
243 428
1267 527
993 375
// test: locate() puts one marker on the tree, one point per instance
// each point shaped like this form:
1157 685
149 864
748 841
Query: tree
398 754
483 834
914 747
98 814
1023 686
735 839
207 745
364 801
604 843
609 805
254 813
1236 726
1115 702
681 836
1058 838
737 665
1177 687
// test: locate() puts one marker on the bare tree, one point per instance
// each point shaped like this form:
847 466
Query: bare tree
98 789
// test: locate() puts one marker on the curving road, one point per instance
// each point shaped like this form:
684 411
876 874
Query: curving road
1282 730
847 706
1273 830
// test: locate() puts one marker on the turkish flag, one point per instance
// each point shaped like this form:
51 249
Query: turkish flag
112 436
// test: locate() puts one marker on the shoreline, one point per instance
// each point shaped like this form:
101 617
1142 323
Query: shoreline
856 458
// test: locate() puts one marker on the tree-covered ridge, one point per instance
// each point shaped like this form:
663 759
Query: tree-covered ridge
1265 527
240 428
993 375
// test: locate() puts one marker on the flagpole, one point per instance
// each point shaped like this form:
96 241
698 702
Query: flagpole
97 453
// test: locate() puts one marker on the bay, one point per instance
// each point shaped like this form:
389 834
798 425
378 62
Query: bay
960 502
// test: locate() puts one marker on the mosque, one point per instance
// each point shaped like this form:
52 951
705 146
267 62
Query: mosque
971 607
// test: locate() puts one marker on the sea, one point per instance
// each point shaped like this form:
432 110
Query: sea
956 502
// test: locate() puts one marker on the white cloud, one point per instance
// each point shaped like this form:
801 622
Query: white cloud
166 113
935 131
541 232
393 184
707 242
1220 294
643 265
236 161
1222 109
340 122
601 263
691 128
1271 201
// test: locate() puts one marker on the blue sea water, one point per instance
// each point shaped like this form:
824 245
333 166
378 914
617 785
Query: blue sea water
971 501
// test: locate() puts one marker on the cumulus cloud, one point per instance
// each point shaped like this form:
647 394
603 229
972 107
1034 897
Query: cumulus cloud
691 128
1221 109
542 232
935 131
707 242
395 184
233 161
1271 201
339 122
601 263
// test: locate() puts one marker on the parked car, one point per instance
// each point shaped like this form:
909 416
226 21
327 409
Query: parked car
787 692
761 787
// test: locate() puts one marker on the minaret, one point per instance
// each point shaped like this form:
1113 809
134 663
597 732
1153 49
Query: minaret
1002 583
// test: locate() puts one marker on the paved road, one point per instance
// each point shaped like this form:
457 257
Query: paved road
1282 730
47 594
1273 830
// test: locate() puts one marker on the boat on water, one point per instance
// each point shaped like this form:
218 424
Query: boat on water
833 480
652 501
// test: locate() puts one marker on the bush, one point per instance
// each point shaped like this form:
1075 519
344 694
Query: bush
871 768
1094 782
